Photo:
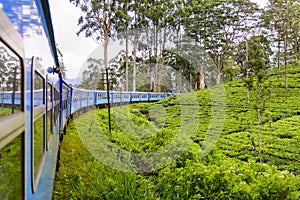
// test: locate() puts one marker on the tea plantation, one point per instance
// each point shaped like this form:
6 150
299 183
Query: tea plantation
220 163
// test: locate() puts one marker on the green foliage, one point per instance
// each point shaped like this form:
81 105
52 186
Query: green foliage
4 111
62 66
38 145
218 24
83 177
92 77
11 170
229 171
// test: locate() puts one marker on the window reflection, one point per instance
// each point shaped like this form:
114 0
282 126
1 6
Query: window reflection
38 143
56 106
11 170
49 113
39 124
10 81
38 90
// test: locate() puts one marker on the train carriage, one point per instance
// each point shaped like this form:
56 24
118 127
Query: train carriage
29 147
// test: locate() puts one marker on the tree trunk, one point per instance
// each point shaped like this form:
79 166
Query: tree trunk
202 83
156 58
162 58
247 60
105 45
126 60
134 55
218 80
126 54
191 82
285 62
217 60
297 49
258 133
278 54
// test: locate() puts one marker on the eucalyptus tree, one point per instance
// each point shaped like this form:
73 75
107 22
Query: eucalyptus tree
127 48
123 28
3 68
100 20
295 36
217 25
281 19
136 10
158 16
92 77
62 66
244 49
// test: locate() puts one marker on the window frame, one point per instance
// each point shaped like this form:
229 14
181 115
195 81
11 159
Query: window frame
49 107
37 113
13 126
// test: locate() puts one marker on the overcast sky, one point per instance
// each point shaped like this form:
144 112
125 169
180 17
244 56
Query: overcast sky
75 49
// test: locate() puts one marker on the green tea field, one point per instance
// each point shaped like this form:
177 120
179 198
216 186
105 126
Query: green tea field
221 161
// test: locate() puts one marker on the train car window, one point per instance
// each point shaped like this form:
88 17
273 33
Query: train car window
49 112
12 119
56 106
10 81
38 90
38 125
66 92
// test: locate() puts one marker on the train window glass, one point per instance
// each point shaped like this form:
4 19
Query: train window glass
49 90
38 143
38 90
11 169
49 124
65 96
49 112
56 114
39 124
56 106
10 81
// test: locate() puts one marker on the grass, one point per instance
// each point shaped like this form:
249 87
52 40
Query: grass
4 111
84 177
229 170
38 144
11 170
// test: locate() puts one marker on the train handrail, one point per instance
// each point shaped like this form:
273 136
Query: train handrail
11 127
38 112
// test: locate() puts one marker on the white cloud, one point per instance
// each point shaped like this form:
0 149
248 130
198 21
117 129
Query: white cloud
261 3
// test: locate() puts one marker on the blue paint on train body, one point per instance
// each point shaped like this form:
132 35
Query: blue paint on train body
47 98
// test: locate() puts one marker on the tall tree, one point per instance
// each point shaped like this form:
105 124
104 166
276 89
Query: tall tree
62 66
217 24
260 83
3 68
295 24
99 22
123 24
92 75
281 19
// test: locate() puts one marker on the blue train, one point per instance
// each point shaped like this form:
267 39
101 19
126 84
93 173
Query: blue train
35 102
